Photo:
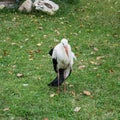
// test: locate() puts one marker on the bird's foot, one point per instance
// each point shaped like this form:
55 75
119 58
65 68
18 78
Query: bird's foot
65 87
58 90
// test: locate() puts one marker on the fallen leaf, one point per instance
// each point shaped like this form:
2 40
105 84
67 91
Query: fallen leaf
95 49
73 93
81 66
94 63
6 109
62 23
92 53
98 75
10 72
14 19
85 92
19 75
5 53
75 34
21 46
0 57
37 51
26 39
57 32
40 28
14 66
111 71
39 44
77 109
52 95
81 25
56 40
13 43
71 85
30 59
95 68
99 57
66 83
44 36
32 35
30 52
25 85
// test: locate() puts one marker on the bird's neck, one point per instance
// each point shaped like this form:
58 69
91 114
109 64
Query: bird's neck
66 50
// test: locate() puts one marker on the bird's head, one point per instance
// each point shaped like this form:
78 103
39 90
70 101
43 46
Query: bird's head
64 42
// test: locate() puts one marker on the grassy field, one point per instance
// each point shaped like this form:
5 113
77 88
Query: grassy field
93 30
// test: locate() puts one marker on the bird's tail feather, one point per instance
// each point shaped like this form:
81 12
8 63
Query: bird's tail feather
58 81
73 55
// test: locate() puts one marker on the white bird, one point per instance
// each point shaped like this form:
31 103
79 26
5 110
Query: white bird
62 57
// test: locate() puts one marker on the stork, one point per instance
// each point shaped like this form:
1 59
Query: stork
62 58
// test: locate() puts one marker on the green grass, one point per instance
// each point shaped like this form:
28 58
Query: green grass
93 30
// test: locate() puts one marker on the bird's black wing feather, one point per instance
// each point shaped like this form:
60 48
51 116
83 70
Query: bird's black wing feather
54 82
55 64
58 81
51 51
69 73
53 60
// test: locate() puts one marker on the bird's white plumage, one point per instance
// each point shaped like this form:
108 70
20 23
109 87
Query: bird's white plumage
62 58
64 61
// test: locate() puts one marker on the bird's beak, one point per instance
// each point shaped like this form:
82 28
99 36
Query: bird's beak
66 50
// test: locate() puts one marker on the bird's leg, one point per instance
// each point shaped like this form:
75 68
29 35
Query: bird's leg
58 91
65 83
65 88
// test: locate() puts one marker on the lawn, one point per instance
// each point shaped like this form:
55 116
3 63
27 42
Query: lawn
93 30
